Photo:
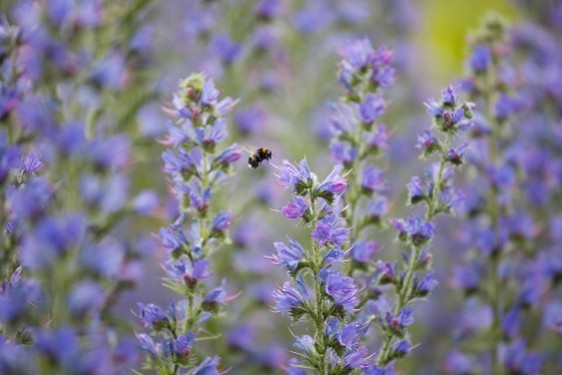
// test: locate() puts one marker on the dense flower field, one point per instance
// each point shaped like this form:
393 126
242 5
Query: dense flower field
277 187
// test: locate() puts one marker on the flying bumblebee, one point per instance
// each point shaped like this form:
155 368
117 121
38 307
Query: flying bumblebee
258 157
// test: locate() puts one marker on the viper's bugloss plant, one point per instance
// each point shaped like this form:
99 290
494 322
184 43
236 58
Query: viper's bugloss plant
196 163
503 276
319 293
359 138
414 280
65 189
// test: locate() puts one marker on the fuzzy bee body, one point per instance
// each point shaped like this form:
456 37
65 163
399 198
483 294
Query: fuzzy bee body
258 157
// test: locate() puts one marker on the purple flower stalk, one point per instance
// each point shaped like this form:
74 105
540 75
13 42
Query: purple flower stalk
450 117
320 293
196 166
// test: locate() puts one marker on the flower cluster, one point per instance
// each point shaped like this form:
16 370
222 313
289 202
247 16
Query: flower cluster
67 254
503 271
416 281
358 138
319 292
196 164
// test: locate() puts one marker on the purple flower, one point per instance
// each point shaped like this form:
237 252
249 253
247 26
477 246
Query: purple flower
51 239
434 108
215 297
449 96
222 221
416 190
377 139
183 345
85 297
383 72
250 119
427 143
208 366
330 230
228 156
377 208
372 178
350 335
502 177
357 358
343 152
424 286
225 48
402 320
459 364
343 291
171 238
242 337
371 108
31 200
153 316
519 360
295 209
455 155
358 53
191 272
146 344
298 178
146 202
31 163
289 299
504 107
268 9
288 256
414 227
363 251
402 348
333 183
480 59
553 316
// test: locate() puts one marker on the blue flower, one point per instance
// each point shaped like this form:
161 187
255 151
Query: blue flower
343 291
480 59
85 297
289 299
402 320
299 178
305 343
351 334
415 228
214 298
357 53
357 358
427 143
208 366
334 183
402 348
153 316
416 190
221 222
288 256
372 178
371 108
295 209
363 251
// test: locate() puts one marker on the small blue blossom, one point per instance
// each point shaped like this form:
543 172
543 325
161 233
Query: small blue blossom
343 290
288 256
371 108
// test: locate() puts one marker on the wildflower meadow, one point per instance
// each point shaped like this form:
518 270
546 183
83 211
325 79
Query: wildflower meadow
330 187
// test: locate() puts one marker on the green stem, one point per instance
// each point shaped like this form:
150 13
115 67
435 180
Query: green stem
318 313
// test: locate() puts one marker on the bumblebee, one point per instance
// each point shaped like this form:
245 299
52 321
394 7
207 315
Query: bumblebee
258 157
